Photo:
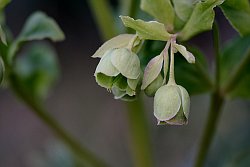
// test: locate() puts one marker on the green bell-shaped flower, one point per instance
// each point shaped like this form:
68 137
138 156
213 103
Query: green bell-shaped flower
119 71
171 105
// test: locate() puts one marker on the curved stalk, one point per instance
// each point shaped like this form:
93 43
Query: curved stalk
84 154
140 139
216 104
104 18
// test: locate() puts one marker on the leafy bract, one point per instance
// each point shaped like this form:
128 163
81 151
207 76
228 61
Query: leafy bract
238 14
200 20
151 30
237 51
37 70
38 26
162 10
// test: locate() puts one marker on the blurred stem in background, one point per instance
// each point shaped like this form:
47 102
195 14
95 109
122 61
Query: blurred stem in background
138 126
86 157
101 11
216 105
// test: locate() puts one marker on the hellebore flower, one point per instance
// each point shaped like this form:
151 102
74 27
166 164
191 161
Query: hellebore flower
119 71
171 105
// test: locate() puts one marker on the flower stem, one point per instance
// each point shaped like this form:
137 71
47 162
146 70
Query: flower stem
216 104
139 134
171 80
104 18
84 154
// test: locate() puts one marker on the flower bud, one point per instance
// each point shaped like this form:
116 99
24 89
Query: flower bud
119 71
171 105
154 86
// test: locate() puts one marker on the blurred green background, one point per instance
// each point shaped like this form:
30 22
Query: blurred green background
91 114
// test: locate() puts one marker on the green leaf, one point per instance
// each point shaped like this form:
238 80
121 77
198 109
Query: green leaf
3 3
126 62
237 51
238 14
2 69
200 20
38 26
194 77
2 36
37 70
152 70
120 41
162 10
151 30
184 8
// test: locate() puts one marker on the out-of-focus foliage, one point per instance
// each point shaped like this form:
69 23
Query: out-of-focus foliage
238 14
37 27
236 52
37 70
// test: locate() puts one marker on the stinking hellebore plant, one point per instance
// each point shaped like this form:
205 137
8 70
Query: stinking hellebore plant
119 71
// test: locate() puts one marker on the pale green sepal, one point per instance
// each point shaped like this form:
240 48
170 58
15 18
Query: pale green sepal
104 80
128 98
130 92
132 83
179 119
152 70
188 55
185 99
120 41
167 102
126 62
105 66
117 92
2 69
121 82
151 30
162 10
154 86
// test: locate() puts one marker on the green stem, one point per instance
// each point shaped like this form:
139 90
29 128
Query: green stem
216 103
171 67
236 74
139 134
84 154
217 54
104 18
